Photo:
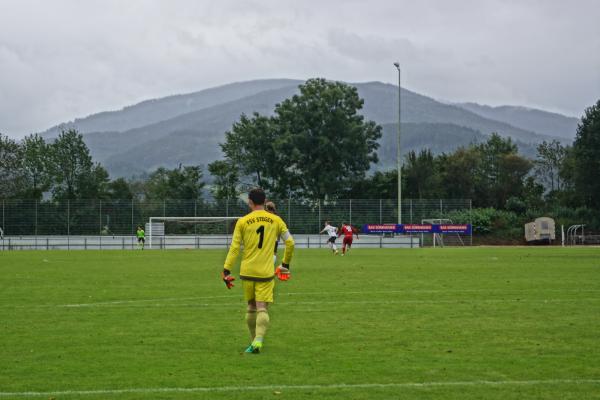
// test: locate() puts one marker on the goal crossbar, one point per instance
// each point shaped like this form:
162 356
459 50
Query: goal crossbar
185 219
438 236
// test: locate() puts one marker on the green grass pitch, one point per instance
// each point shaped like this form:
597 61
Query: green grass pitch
468 323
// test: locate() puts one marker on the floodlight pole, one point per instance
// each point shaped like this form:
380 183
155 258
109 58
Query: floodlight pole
398 153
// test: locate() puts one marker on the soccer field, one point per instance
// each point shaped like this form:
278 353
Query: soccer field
485 323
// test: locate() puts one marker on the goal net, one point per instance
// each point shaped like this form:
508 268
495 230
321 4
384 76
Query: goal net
189 232
436 239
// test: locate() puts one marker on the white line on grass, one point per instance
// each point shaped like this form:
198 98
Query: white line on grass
385 302
329 302
133 301
440 291
117 302
305 387
317 302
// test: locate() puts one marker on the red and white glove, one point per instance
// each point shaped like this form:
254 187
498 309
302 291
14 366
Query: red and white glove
227 278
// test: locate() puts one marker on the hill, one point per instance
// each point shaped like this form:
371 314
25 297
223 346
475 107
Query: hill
187 128
538 121
155 110
191 138
381 106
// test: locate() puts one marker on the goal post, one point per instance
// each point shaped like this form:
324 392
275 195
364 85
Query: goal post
153 221
453 238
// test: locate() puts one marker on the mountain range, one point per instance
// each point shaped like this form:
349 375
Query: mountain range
539 121
187 129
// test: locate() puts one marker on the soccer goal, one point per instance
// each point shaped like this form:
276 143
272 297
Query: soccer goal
447 237
189 232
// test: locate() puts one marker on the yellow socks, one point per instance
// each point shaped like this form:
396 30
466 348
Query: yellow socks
251 321
262 324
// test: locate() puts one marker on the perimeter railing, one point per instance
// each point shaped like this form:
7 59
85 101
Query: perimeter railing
112 223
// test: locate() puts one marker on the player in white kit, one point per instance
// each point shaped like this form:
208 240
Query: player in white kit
332 232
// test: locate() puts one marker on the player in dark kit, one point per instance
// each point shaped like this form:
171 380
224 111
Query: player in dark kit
348 231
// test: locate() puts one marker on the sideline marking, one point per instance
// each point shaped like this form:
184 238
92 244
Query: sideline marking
477 301
303 387
234 296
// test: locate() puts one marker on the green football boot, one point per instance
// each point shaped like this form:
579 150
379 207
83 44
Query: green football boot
254 347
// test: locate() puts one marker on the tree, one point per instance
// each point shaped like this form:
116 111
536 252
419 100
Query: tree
181 183
491 153
71 167
568 196
532 194
501 172
422 176
550 157
226 181
457 171
316 145
251 145
327 144
36 167
119 189
380 185
11 174
94 184
586 153
511 178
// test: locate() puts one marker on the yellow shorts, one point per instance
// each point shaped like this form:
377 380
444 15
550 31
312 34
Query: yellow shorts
258 291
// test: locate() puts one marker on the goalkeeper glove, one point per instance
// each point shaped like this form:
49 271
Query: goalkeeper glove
227 278
283 272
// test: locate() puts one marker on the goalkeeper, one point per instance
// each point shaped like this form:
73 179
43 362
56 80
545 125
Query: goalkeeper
257 232
141 237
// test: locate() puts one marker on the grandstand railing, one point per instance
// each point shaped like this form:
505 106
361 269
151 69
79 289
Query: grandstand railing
22 218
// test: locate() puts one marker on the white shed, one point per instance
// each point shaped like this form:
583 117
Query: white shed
541 230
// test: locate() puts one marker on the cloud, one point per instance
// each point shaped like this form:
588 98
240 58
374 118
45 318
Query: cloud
65 59
372 48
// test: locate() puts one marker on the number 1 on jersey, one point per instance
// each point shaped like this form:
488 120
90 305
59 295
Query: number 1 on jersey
261 232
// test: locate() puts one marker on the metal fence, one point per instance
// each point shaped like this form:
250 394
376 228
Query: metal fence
102 224
34 218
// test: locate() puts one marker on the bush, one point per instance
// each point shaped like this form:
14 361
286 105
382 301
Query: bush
486 220
570 216
516 205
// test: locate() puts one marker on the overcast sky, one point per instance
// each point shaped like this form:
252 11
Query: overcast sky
65 59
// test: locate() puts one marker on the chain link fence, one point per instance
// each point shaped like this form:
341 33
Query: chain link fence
21 217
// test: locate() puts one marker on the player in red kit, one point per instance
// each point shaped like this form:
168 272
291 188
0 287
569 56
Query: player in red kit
348 231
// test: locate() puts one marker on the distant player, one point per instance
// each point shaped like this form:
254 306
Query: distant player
332 232
141 237
257 232
1 234
348 231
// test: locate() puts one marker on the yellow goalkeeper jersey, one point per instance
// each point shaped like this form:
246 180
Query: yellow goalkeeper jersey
258 232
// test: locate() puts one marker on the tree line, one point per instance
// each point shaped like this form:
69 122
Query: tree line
316 145
63 169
